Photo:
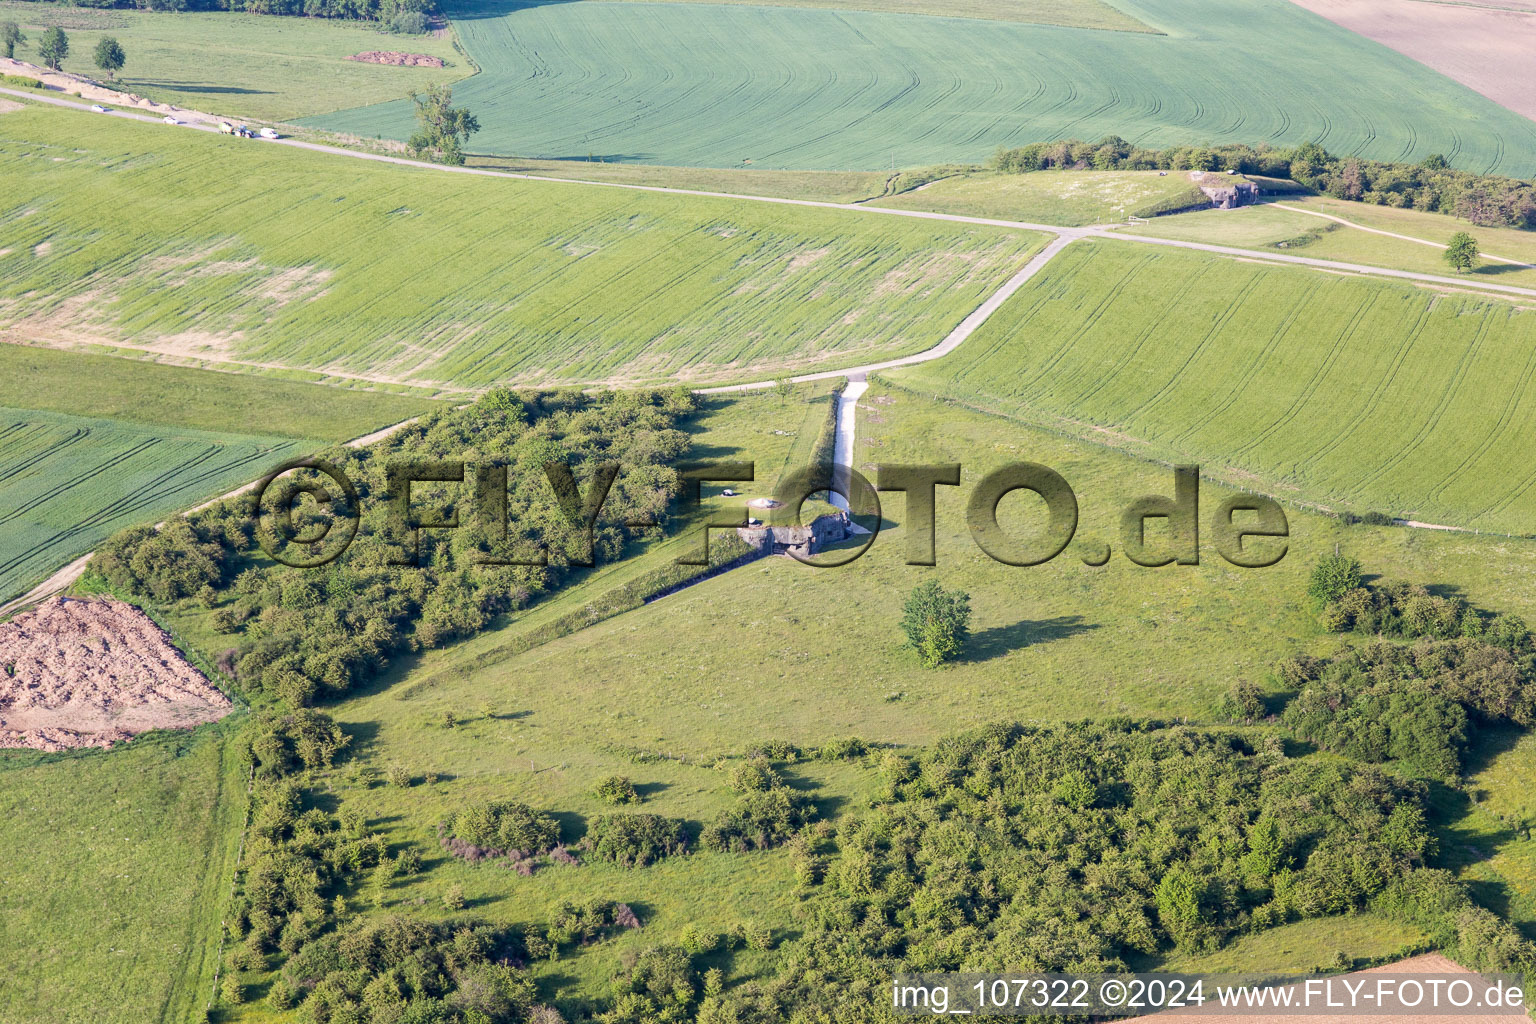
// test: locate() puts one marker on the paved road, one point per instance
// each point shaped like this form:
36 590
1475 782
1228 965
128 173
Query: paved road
1061 238
951 342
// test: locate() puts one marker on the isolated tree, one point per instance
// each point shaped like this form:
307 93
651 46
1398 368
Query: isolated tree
1333 577
783 388
1461 253
11 37
444 127
936 622
109 56
53 47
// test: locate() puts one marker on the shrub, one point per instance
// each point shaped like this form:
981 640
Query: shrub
410 23
497 829
453 899
1332 578
635 840
754 776
617 789
398 775
1242 703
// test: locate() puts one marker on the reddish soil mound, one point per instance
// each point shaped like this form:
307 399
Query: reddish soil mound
399 60
90 673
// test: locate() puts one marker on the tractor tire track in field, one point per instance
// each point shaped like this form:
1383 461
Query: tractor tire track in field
1378 393
1061 237
1517 395
1308 389
1468 357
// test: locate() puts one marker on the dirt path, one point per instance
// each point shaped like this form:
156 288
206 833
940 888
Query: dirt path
90 89
1060 233
1394 234
1061 238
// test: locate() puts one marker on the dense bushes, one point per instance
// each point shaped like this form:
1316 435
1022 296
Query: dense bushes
302 739
1076 847
1409 703
303 633
499 829
408 972
635 840
1431 185
766 815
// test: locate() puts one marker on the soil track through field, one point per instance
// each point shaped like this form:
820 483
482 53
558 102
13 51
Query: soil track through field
1061 238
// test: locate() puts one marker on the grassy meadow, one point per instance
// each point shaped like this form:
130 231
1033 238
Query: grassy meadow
1273 227
451 281
118 865
244 65
1067 198
1061 640
731 85
1345 392
775 650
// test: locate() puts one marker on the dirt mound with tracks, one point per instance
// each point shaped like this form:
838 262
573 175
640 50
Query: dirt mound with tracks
399 60
91 673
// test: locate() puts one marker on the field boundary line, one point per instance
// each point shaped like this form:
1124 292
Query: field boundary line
1394 234
1097 231
1307 261
952 341
62 579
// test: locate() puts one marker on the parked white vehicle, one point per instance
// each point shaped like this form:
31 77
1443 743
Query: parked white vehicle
99 108
270 133
168 119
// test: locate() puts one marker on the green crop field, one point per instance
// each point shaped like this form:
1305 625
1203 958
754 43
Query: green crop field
118 865
243 65
111 387
773 87
1068 198
1344 392
451 280
1075 13
67 482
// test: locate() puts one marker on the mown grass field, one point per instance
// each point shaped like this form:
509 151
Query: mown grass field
1344 392
315 262
245 65
67 482
772 87
1067 198
118 866
1280 227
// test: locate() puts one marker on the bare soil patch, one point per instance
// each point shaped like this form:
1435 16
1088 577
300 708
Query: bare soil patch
88 89
91 673
1487 49
397 59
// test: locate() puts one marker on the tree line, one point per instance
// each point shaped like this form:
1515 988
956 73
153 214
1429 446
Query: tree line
1432 184
303 634
358 10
